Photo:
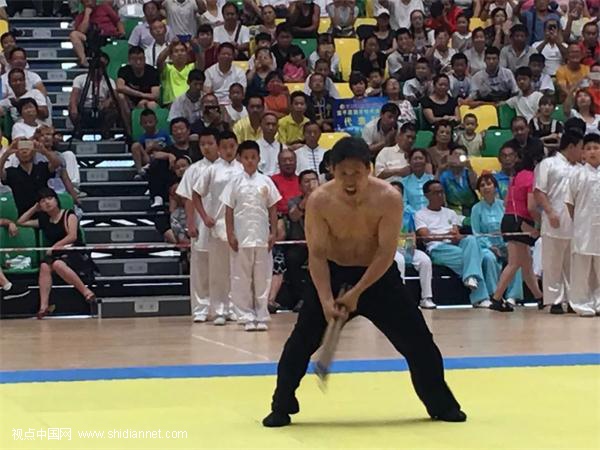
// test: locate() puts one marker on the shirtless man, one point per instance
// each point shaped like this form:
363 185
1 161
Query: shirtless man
352 228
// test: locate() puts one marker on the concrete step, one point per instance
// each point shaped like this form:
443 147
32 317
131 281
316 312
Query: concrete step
103 235
110 204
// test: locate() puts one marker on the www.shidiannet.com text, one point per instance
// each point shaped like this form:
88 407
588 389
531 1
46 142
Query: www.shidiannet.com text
68 434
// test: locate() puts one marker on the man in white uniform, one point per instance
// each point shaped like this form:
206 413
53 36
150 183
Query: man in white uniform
583 201
199 291
551 182
209 187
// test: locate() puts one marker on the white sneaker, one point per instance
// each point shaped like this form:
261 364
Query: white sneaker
199 318
250 326
483 304
472 283
157 203
427 303
512 302
262 326
219 321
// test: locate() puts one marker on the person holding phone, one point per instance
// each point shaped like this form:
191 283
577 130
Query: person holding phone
552 46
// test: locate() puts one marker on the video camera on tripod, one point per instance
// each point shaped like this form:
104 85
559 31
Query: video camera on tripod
94 42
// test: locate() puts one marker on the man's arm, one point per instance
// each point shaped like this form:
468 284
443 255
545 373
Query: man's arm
387 173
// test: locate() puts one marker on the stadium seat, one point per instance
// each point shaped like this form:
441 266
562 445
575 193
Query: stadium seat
66 201
344 90
345 48
369 10
559 114
505 116
6 123
493 140
117 52
324 25
129 25
365 21
308 46
476 22
4 27
8 209
486 116
25 239
481 164
162 115
328 140
421 122
423 139
293 87
242 65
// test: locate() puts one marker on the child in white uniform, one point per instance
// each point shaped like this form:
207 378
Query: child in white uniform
251 219
209 187
583 202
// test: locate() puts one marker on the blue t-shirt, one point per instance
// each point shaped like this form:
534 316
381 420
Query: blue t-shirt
161 138
413 190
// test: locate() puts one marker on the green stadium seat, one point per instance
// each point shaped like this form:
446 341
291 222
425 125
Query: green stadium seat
25 239
162 116
6 124
559 114
8 209
117 52
423 139
505 116
129 25
66 201
493 140
421 122
308 46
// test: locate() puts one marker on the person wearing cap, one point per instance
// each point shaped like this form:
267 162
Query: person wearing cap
400 11
385 35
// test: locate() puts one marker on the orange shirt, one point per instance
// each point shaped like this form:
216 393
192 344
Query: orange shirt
277 103
568 77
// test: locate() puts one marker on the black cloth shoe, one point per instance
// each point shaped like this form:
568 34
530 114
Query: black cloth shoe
556 309
540 303
275 419
455 415
501 306
570 310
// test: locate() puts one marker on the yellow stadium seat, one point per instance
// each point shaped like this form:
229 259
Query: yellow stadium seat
364 21
476 22
324 24
278 21
345 48
482 164
328 140
242 65
292 87
369 8
344 90
3 27
486 116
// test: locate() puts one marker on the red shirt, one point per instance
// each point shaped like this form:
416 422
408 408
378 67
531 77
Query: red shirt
595 93
210 56
289 187
590 55
438 23
104 17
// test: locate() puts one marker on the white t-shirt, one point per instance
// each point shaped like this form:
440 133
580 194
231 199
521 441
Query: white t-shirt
552 55
31 79
437 222
526 106
181 17
221 35
308 159
212 20
33 93
236 115
104 93
400 12
218 82
21 129
590 128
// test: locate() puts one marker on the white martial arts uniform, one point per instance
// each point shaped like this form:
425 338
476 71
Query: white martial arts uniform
551 178
199 292
422 264
250 197
584 194
210 186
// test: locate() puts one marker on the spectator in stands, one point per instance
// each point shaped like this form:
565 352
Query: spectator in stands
420 173
381 132
460 81
369 58
257 78
151 141
18 91
519 217
174 74
233 32
552 47
440 146
297 255
526 102
384 32
291 127
249 128
444 14
358 85
213 15
401 63
392 162
207 48
590 45
476 54
323 67
522 140
7 42
138 84
84 117
212 115
177 212
507 156
536 18
160 42
295 70
236 109
439 105
459 181
160 171
543 126
17 59
440 53
406 253
29 122
141 36
278 100
391 90
496 35
320 103
286 180
221 75
60 229
516 54
459 253
182 17
579 104
101 17
468 137
250 200
128 9
8 290
310 155
189 104
573 73
269 145
304 18
268 15
422 35
420 86
281 50
541 81
375 88
325 51
493 84
486 217
262 40
461 38
343 14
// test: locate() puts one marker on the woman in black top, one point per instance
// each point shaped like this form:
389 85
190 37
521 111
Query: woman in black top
304 18
369 58
385 35
60 228
439 105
